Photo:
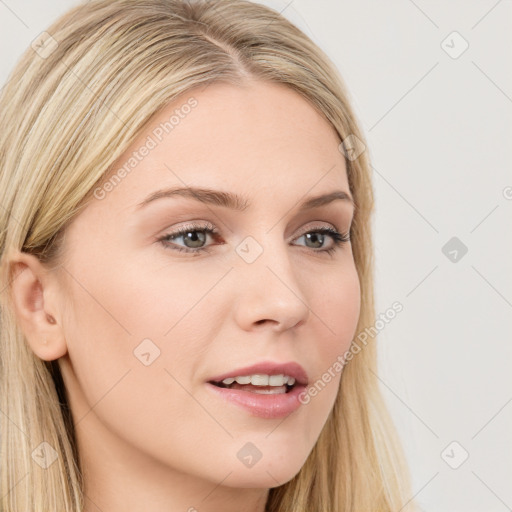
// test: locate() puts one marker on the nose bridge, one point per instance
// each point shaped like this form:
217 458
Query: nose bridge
270 286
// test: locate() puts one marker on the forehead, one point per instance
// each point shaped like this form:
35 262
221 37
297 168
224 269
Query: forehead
257 138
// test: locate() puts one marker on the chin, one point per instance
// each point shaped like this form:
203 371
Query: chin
265 474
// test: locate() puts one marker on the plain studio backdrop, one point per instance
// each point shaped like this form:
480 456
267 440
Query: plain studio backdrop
431 84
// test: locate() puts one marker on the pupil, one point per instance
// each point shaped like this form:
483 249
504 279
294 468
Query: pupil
316 236
194 238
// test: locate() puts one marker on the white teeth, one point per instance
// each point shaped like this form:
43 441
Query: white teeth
277 380
243 379
259 379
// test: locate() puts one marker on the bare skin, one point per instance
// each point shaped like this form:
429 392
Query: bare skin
154 437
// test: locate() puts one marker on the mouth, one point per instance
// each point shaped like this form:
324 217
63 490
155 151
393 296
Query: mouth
268 389
259 389
270 378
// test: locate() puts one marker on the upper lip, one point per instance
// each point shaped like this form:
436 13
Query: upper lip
291 369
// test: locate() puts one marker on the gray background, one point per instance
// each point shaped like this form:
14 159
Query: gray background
437 121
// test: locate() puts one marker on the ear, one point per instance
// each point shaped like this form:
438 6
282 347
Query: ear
34 292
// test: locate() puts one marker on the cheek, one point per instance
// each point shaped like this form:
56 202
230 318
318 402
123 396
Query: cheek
348 307
335 307
127 373
159 298
335 304
127 325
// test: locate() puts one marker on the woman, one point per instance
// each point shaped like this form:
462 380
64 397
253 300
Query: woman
186 262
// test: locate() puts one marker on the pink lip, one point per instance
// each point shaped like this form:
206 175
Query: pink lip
263 406
292 369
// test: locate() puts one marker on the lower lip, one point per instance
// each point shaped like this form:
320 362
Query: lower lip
262 405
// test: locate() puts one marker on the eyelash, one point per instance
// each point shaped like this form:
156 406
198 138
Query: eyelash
338 238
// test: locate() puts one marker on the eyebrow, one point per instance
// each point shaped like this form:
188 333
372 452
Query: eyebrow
237 202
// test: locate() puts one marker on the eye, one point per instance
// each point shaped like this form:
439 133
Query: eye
317 237
195 236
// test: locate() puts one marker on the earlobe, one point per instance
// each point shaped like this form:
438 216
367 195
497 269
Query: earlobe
33 292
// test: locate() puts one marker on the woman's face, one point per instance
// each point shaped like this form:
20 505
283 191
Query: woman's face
150 321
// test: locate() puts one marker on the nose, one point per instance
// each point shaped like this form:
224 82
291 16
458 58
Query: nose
269 293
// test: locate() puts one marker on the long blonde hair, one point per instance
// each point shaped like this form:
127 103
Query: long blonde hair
72 105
